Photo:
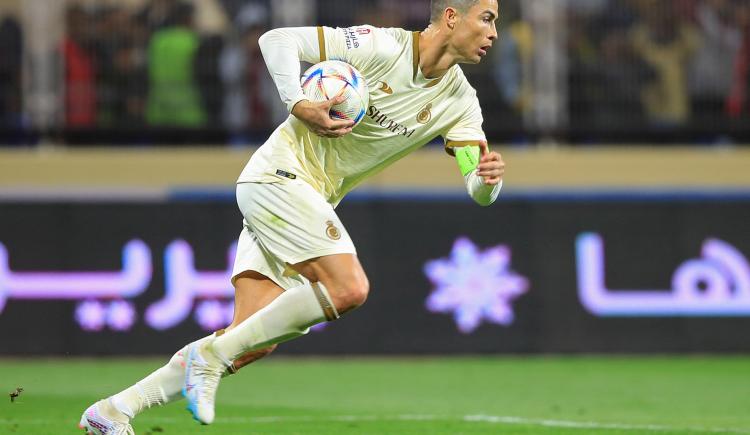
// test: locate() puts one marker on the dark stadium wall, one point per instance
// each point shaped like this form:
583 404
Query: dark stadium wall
532 274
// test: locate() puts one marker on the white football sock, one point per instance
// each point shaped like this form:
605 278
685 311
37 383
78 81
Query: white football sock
289 315
159 388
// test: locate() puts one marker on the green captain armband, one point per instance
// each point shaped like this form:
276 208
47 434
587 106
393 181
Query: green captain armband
468 158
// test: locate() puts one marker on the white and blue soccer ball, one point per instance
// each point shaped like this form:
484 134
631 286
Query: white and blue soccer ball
331 78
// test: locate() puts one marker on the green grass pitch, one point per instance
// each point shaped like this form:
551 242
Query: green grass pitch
468 395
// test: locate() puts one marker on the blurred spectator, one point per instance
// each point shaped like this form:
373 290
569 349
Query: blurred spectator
513 59
11 46
630 62
738 101
129 77
80 86
251 102
606 75
157 14
212 24
712 69
116 67
173 96
667 45
208 77
619 76
211 18
256 78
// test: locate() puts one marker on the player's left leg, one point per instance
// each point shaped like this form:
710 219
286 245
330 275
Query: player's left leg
336 284
253 291
291 225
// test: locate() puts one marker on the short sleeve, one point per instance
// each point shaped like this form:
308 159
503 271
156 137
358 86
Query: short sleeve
467 131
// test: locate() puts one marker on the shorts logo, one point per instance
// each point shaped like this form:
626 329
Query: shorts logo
425 115
286 174
332 232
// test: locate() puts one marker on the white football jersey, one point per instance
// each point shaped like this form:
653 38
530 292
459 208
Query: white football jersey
406 111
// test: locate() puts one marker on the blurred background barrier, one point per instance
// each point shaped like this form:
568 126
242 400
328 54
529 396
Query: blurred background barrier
573 274
173 71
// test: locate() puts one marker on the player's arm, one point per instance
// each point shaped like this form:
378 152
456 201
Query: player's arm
482 170
283 49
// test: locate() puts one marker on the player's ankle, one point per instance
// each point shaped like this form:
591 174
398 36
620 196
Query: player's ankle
213 356
116 410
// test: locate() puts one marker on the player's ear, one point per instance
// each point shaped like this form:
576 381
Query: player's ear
450 16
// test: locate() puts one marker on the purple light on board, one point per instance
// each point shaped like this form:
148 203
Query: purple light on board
474 285
717 284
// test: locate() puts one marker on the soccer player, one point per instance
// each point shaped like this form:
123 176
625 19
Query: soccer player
296 265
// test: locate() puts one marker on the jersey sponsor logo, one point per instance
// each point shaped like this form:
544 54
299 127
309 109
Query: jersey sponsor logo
386 122
332 232
385 88
351 38
425 114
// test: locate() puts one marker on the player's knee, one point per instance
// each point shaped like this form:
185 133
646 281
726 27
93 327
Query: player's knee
351 294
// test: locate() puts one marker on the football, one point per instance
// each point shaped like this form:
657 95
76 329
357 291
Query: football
331 78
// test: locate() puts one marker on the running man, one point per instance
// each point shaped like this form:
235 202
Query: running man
296 265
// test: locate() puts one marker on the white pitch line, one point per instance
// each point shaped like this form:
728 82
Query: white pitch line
595 425
480 418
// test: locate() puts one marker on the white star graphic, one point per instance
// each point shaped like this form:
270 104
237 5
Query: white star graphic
474 285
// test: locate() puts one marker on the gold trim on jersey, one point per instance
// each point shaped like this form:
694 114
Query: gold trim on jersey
322 43
449 145
434 82
415 53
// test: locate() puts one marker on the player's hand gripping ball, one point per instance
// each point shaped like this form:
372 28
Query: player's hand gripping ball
332 78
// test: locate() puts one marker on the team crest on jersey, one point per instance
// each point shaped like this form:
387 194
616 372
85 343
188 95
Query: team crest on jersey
425 114
332 232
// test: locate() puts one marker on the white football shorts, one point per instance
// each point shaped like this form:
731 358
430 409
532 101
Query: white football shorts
285 223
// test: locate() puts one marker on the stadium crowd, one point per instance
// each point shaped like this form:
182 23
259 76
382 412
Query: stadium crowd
647 64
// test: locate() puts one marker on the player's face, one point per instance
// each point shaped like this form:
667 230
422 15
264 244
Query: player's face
475 31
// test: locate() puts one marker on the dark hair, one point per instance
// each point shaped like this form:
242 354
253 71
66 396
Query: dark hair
438 6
